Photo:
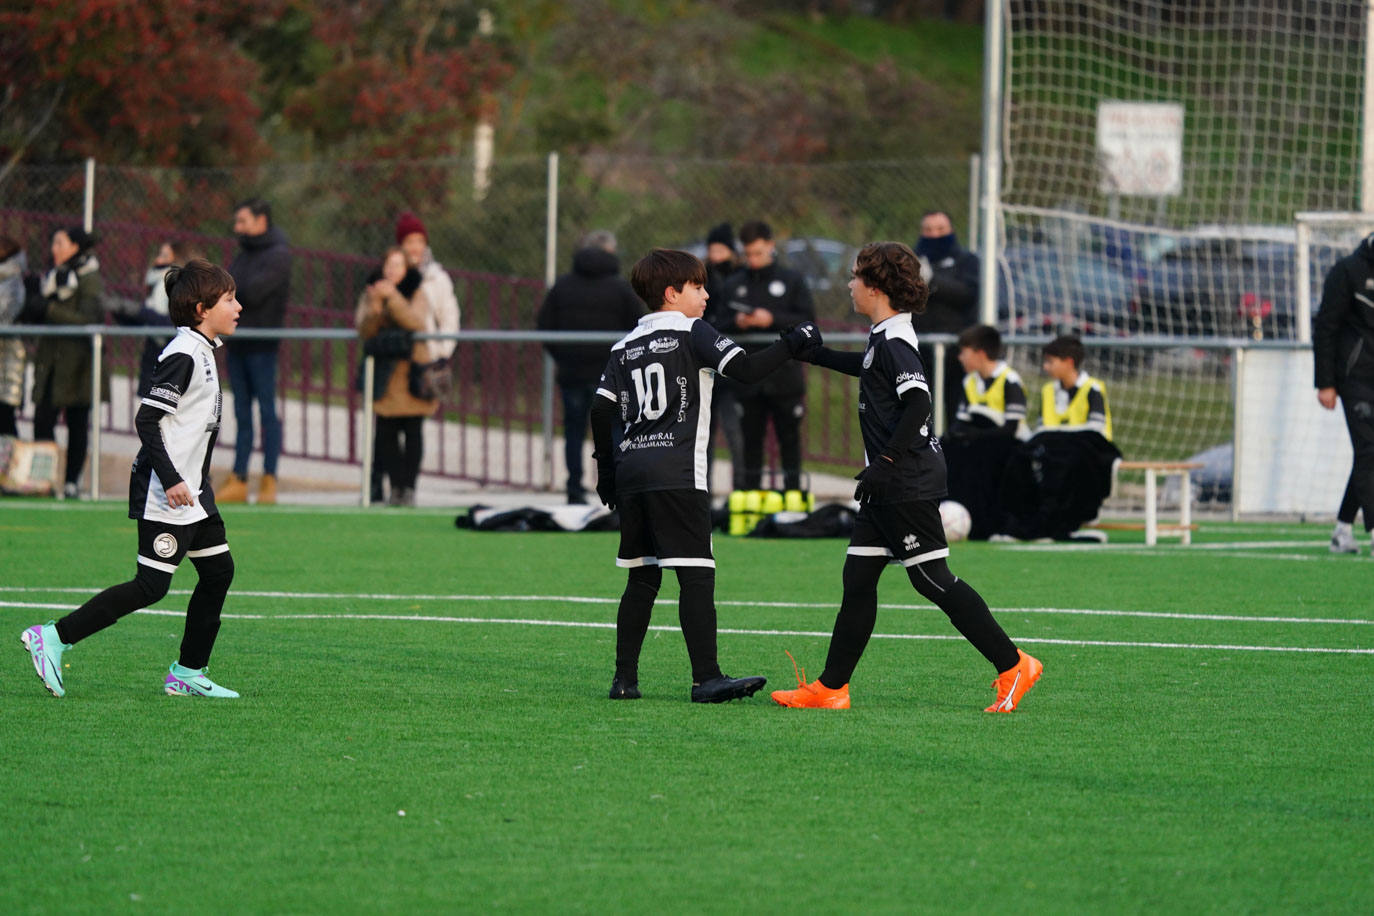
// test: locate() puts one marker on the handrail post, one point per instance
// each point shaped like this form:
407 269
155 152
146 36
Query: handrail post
546 417
97 340
369 373
937 389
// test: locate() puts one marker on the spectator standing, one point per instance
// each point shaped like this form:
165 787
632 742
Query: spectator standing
952 272
593 297
394 302
1343 356
13 263
722 262
262 272
71 292
445 317
154 312
768 297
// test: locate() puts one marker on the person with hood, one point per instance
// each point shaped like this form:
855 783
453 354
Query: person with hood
952 273
445 317
395 302
593 297
262 272
71 292
13 263
1343 357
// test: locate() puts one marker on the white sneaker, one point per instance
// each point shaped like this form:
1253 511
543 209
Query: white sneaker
1343 541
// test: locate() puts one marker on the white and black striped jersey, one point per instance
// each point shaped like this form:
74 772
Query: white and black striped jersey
891 367
185 387
661 376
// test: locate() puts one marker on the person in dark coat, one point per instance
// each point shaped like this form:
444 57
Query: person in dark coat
592 297
72 292
1343 357
262 270
766 296
721 262
953 274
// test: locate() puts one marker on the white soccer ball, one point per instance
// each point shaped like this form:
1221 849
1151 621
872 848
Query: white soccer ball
956 520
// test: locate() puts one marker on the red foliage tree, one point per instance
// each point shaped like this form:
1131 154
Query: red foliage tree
135 81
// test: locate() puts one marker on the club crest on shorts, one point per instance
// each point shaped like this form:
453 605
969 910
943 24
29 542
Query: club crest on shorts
165 545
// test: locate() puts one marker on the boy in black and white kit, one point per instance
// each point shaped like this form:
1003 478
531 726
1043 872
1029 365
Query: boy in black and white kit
657 387
899 491
169 492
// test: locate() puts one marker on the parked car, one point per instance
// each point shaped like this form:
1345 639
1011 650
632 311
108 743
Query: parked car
1225 281
1045 290
825 263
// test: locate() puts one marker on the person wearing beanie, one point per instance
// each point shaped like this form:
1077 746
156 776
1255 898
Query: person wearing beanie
262 274
592 297
721 262
443 315
62 366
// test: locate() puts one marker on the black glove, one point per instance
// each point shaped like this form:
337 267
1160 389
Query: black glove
877 481
802 339
605 482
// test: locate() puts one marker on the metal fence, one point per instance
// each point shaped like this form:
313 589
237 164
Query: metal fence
521 226
501 424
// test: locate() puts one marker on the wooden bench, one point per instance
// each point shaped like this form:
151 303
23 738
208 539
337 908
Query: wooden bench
1153 527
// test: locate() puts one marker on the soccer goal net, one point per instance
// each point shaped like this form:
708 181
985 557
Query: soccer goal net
1154 157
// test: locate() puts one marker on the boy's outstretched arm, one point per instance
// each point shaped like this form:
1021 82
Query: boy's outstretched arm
840 360
794 343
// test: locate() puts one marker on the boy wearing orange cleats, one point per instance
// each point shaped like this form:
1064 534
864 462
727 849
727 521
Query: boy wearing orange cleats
899 492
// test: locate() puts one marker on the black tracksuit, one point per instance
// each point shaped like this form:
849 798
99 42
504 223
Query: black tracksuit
1343 351
784 293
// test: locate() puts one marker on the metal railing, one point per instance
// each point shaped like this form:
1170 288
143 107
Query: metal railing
499 425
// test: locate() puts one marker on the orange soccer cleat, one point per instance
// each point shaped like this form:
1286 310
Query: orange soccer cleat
1011 685
814 695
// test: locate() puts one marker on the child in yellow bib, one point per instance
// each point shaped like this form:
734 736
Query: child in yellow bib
1074 400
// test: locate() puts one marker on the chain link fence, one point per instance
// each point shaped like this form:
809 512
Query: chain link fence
495 232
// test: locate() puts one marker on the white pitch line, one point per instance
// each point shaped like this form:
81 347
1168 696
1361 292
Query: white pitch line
818 634
583 599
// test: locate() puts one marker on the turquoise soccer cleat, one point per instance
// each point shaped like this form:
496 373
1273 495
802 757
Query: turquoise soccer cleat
45 648
192 682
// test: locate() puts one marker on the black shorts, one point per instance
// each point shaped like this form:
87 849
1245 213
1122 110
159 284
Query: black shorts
162 546
910 533
665 528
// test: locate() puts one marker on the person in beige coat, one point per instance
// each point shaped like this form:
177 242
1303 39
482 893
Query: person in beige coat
392 304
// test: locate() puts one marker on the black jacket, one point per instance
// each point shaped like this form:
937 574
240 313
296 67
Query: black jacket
593 297
1343 328
953 303
718 314
784 293
262 272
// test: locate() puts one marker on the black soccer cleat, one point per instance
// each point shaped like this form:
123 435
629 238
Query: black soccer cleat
623 690
723 689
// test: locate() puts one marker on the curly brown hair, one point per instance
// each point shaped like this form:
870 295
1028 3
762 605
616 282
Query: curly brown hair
892 268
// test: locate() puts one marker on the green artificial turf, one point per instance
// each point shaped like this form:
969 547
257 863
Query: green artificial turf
1140 775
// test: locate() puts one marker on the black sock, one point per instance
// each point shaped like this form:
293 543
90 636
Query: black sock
696 613
148 586
632 620
854 624
967 610
203 610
